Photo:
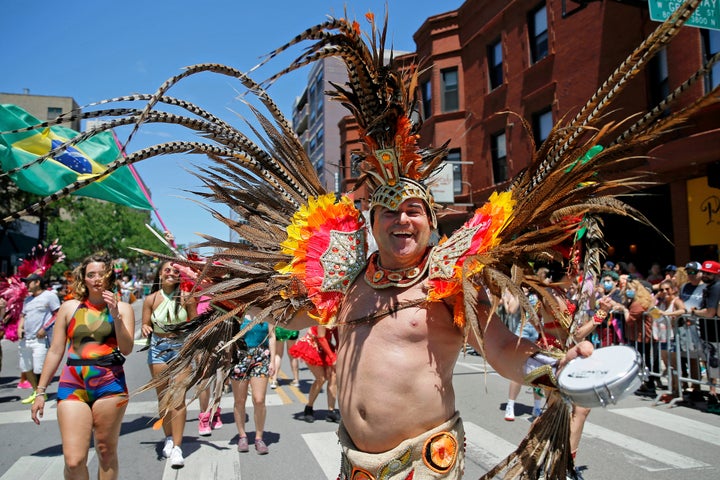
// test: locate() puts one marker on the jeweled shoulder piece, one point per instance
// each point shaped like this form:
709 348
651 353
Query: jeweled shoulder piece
343 260
444 258
326 241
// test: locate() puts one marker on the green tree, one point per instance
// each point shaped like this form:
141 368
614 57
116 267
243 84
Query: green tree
14 199
85 225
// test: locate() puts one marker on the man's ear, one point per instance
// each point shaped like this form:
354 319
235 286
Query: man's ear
372 216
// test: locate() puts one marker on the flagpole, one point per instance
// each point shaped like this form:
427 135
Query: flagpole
142 186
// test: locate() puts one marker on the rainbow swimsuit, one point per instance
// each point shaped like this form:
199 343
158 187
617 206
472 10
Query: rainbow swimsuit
91 337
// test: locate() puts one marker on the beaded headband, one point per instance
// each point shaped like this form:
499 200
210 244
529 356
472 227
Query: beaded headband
391 196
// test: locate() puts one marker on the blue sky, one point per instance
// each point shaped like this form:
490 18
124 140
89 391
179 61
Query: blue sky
92 50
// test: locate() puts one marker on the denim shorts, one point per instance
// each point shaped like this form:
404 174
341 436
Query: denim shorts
528 331
164 349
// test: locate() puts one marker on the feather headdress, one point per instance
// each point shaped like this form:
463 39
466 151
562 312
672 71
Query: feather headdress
13 290
381 97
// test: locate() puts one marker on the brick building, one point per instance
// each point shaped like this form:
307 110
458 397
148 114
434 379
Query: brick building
542 61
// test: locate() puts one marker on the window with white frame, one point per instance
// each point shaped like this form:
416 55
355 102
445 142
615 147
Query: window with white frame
426 98
495 64
450 90
542 124
454 159
711 46
498 152
53 112
538 32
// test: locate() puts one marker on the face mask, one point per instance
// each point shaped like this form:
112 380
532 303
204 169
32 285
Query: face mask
533 299
630 294
607 286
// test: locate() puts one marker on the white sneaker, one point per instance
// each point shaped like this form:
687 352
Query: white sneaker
167 449
509 413
176 458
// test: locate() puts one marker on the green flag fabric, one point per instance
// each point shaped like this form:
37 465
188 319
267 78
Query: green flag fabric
86 159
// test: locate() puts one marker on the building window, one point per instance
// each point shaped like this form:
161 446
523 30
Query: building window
659 78
542 124
319 105
427 99
319 93
495 64
450 98
313 144
319 136
711 46
313 111
453 159
538 33
498 152
53 112
355 161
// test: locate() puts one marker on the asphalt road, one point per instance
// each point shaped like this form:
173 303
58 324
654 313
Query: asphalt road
634 439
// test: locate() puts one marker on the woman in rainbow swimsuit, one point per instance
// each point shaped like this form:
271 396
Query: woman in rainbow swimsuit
92 392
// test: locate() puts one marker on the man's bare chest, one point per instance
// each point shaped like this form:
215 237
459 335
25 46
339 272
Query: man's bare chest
364 304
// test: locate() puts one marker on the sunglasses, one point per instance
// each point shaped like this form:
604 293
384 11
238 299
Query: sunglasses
691 272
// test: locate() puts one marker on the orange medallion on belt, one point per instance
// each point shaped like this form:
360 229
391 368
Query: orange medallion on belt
440 452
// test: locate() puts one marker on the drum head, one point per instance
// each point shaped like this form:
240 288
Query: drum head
603 378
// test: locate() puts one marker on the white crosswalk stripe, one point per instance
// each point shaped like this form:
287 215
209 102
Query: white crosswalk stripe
226 403
23 416
663 458
485 447
134 408
326 450
673 423
212 460
38 468
219 460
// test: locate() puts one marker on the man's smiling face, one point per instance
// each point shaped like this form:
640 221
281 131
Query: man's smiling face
402 235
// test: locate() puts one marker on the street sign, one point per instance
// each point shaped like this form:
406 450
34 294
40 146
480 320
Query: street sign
707 14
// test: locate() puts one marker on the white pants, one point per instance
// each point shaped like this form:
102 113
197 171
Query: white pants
32 352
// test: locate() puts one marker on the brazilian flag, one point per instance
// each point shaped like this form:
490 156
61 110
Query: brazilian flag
84 160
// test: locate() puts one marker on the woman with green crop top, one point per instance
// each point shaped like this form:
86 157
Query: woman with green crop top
164 310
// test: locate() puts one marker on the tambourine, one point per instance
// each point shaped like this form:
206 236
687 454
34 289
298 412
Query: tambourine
603 378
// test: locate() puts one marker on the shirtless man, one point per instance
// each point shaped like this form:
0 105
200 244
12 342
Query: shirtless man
395 362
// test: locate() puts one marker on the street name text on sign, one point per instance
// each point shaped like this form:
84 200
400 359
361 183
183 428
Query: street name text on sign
707 14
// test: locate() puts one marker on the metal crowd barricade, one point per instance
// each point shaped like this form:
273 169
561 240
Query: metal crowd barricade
650 351
689 353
